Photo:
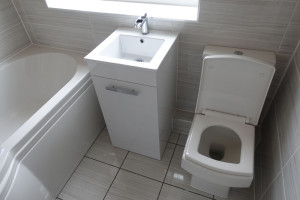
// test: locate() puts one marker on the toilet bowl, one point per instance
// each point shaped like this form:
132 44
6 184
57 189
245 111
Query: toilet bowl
219 151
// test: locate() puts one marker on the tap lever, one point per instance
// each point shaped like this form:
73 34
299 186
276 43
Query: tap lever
145 15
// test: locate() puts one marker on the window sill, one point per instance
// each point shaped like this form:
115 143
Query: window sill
127 8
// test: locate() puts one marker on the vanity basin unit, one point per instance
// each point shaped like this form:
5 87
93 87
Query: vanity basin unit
135 78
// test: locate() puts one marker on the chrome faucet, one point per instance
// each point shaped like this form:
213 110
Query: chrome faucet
142 23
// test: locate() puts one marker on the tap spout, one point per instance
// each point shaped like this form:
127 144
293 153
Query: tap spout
142 23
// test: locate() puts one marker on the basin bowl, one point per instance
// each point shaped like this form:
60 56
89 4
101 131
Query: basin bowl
128 47
133 48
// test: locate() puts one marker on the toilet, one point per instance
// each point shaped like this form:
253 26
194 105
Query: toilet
219 151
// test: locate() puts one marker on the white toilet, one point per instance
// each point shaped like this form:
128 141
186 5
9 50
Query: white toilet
219 152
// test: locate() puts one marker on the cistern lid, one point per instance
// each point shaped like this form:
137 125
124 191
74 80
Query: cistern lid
235 81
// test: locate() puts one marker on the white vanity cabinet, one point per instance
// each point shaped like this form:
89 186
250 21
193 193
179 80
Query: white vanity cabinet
137 99
131 117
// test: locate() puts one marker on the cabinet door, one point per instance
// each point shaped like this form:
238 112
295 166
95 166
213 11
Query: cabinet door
130 112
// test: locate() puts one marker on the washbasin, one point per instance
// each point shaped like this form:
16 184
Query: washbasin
128 55
132 48
129 47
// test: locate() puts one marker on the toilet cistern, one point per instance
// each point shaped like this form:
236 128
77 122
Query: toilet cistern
142 23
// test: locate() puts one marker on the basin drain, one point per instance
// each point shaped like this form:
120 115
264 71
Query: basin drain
139 60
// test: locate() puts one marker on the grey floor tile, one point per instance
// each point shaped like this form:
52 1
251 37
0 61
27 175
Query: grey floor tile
103 150
182 139
239 194
172 193
149 167
90 181
129 186
177 176
174 137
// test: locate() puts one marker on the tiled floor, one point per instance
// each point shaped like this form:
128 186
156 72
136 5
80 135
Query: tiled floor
110 173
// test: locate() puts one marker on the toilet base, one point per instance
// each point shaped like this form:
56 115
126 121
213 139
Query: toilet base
210 188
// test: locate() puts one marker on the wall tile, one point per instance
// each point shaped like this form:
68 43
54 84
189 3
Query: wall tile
182 121
287 108
236 23
8 15
276 191
189 62
288 130
297 59
291 38
256 20
246 24
186 96
282 61
294 84
13 36
291 176
189 76
159 24
258 172
292 34
81 40
270 152
13 40
37 12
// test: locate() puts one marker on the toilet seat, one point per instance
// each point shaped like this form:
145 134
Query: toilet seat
245 133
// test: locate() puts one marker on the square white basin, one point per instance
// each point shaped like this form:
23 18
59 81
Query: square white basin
126 46
127 55
133 48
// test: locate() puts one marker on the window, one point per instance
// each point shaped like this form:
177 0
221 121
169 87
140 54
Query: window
169 9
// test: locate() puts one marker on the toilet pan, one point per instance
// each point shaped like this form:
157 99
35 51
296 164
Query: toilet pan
235 172
219 152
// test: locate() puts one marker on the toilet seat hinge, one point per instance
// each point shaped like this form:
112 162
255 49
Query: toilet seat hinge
232 117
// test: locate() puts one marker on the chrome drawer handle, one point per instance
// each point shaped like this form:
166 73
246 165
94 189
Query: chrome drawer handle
122 90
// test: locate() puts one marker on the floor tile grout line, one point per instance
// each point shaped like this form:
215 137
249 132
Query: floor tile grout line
130 170
141 175
189 191
181 145
167 169
100 132
170 163
115 176
162 182
171 143
101 162
79 163
178 137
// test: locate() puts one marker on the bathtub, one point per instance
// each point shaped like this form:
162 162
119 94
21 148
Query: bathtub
49 118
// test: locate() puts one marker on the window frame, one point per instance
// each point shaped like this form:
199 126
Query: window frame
172 12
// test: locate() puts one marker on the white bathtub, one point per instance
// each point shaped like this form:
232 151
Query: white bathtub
49 117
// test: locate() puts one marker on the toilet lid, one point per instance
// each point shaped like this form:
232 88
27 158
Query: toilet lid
234 84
